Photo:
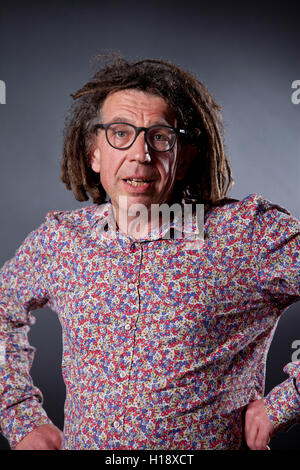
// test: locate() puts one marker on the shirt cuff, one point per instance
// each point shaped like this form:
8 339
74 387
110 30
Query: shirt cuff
282 405
19 420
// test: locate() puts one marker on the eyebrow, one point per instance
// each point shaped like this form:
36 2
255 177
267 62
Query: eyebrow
163 121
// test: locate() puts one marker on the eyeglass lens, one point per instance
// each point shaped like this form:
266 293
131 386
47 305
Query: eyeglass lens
159 138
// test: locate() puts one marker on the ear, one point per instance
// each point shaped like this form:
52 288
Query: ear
95 159
186 156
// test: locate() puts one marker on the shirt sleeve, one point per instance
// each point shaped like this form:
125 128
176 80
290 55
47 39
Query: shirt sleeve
23 288
277 244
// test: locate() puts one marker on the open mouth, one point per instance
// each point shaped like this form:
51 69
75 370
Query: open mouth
137 181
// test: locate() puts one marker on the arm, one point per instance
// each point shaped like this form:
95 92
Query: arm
277 249
22 289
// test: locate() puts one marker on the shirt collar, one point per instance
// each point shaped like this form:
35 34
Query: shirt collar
187 221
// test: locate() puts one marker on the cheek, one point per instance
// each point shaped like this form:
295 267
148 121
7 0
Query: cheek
167 168
108 160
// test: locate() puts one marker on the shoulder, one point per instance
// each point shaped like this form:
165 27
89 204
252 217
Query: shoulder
249 217
83 216
59 225
249 209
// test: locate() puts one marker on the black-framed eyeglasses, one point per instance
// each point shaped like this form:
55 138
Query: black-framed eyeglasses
121 135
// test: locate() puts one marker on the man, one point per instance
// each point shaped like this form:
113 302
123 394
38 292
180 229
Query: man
165 340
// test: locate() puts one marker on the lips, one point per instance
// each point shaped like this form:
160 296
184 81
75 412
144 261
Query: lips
137 181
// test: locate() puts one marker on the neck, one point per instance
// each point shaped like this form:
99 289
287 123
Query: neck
136 222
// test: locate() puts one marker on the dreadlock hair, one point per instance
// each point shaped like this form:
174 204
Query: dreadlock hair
209 177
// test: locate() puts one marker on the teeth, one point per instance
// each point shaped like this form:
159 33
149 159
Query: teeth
136 182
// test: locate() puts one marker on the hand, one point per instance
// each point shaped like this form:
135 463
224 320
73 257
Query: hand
44 437
258 427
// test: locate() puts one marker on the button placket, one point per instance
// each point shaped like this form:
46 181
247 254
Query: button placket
118 423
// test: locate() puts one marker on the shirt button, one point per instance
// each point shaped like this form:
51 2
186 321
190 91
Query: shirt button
122 374
116 424
131 285
127 326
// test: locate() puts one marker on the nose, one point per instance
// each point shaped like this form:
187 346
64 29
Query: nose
139 150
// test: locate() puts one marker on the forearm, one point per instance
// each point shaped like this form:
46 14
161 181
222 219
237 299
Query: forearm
21 402
282 404
23 288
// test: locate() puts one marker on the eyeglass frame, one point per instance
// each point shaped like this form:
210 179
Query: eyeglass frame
177 131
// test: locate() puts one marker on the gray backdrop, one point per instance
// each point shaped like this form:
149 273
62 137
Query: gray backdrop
247 56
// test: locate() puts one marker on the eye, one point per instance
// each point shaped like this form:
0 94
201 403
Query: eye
160 137
120 133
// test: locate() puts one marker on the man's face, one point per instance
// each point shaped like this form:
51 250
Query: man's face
157 171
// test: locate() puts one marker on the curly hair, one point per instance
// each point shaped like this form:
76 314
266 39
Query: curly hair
209 177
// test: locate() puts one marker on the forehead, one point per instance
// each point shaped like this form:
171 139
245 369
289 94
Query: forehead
136 103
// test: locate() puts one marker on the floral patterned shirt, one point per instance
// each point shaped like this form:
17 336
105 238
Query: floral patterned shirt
163 344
